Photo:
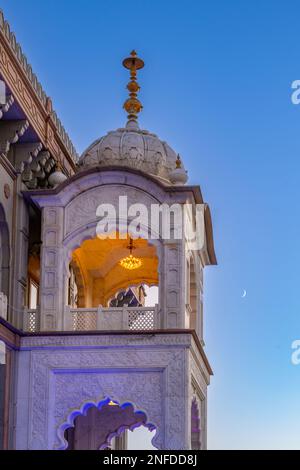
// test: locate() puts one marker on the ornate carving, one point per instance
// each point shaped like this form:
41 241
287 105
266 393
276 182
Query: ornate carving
17 73
144 390
199 369
106 340
82 210
153 380
10 132
5 107
6 191
133 148
37 171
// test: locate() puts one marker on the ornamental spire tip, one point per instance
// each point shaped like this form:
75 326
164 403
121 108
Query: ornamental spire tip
132 105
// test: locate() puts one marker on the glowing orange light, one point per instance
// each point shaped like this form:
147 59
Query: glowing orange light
131 262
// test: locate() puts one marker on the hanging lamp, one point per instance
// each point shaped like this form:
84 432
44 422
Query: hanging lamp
131 262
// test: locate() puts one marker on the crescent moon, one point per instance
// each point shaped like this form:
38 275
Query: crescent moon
244 294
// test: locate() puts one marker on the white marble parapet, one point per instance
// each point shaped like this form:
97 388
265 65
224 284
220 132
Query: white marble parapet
101 319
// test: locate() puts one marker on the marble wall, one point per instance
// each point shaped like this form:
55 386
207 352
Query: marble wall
58 376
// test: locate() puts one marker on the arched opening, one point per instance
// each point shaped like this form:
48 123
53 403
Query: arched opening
195 426
99 276
142 295
140 438
4 254
34 253
108 426
132 296
99 279
151 295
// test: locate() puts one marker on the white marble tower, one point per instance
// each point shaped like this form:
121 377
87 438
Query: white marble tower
83 364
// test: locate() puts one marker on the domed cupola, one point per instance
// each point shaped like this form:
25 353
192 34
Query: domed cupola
132 147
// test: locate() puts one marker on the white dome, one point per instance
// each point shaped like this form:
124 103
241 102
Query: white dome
57 178
134 148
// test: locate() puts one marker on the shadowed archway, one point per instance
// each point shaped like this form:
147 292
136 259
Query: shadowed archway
104 426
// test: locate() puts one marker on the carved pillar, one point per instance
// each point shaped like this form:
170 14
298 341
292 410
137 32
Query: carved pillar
17 296
52 295
2 92
203 424
8 403
171 295
194 297
177 410
200 306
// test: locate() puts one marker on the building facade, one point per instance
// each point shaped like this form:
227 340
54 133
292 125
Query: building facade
101 310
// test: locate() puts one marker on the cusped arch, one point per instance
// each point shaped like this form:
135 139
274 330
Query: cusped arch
75 239
82 411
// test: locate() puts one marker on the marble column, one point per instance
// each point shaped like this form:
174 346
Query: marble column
52 292
172 300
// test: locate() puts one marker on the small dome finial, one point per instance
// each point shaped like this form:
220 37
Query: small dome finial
132 105
178 161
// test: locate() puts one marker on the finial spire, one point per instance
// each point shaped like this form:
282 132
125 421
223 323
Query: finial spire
132 105
178 161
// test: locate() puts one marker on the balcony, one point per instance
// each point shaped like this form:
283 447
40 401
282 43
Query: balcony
100 319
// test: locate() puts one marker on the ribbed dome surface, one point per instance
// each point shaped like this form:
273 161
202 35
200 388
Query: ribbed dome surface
134 148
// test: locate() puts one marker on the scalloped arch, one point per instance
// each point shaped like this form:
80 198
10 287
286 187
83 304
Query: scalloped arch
82 411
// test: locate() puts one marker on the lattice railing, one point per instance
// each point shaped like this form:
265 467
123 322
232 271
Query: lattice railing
83 319
142 318
93 319
31 320
124 318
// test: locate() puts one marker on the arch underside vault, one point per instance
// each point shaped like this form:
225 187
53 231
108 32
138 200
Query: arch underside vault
99 275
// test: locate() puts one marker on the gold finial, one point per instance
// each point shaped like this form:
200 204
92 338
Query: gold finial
58 165
178 161
132 105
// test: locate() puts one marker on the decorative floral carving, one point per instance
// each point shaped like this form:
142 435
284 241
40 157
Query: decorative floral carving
31 93
107 155
152 379
137 149
144 390
82 210
106 340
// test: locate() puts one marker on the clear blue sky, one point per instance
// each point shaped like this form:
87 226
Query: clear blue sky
216 86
